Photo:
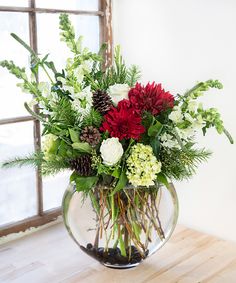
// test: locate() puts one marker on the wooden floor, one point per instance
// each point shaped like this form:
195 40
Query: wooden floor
49 256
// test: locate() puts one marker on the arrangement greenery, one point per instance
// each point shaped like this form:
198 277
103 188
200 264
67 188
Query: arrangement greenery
114 133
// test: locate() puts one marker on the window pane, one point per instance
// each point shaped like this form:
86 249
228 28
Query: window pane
88 26
90 5
11 97
16 3
54 188
17 185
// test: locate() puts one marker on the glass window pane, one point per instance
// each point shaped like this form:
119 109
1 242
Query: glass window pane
12 99
17 185
54 188
88 26
16 3
89 5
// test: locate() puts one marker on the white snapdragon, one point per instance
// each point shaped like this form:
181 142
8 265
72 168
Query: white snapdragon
189 118
111 151
83 101
118 92
176 115
82 69
45 88
169 141
192 106
199 123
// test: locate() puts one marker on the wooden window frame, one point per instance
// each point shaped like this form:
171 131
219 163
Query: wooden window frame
105 35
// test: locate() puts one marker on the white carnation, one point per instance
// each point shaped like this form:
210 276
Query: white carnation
118 92
111 151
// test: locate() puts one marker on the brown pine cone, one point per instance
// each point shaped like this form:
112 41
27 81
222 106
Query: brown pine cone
101 102
82 165
90 135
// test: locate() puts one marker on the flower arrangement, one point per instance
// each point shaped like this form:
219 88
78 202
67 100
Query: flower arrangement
114 132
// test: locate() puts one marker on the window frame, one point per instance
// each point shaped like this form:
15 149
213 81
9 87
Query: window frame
105 35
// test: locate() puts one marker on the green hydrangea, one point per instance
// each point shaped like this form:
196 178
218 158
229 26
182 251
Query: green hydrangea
50 145
142 166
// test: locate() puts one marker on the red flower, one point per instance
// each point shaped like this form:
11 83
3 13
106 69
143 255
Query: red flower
151 98
123 122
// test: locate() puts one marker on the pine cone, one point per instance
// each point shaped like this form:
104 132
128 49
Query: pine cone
82 165
101 102
90 135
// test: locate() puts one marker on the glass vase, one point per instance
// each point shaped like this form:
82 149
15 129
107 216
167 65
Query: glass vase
121 229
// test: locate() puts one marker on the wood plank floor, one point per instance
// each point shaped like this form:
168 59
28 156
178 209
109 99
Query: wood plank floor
50 256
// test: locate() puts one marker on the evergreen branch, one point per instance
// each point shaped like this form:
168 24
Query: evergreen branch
53 167
180 164
34 159
133 75
94 118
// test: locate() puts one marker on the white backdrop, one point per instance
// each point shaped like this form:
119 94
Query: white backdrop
178 43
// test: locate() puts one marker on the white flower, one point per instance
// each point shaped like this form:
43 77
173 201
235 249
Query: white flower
45 88
192 106
189 118
83 101
176 115
118 92
198 123
185 134
169 141
111 151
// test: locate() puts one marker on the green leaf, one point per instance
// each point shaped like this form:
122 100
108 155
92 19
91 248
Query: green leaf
17 38
161 178
85 183
121 183
155 129
116 172
74 136
82 147
155 144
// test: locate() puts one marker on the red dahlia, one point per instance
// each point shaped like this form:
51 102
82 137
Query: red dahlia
123 122
151 98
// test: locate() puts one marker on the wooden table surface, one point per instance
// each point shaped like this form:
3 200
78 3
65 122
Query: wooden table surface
50 256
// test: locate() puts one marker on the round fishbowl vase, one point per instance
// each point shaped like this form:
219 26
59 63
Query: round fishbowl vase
122 229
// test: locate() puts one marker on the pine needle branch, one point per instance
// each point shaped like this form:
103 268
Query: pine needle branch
133 75
34 160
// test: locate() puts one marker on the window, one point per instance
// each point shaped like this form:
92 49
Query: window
25 198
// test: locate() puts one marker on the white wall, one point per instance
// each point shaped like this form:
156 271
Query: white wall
178 43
